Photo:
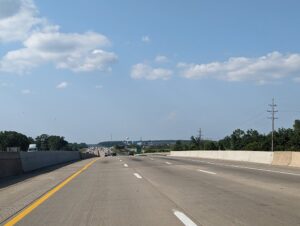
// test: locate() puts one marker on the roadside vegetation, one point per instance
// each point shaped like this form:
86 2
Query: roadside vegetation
284 140
44 142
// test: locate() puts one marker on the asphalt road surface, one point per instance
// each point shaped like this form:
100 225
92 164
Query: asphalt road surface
163 190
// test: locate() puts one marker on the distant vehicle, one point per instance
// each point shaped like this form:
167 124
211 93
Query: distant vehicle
131 153
114 154
106 154
32 148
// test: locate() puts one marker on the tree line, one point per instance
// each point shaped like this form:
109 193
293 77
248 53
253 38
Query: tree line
44 142
284 140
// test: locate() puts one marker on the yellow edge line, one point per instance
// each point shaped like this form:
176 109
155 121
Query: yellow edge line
42 199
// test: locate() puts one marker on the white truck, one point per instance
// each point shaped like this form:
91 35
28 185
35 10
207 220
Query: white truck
32 148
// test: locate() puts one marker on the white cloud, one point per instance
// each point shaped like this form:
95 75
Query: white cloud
146 39
62 85
17 19
272 67
26 91
144 71
44 43
161 59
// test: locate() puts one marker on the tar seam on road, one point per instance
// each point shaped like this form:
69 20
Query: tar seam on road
137 175
183 218
46 196
204 171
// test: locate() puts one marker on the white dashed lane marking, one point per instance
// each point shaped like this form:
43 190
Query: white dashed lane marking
137 175
204 171
185 220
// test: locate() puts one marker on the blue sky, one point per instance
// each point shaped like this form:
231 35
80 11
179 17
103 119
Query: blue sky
87 70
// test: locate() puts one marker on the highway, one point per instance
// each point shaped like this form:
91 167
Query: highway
163 190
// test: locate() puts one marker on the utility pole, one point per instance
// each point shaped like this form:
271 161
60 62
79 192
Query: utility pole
273 111
200 137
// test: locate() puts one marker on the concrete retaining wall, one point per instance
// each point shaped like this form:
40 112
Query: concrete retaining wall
10 164
295 159
36 160
14 163
245 156
282 158
265 157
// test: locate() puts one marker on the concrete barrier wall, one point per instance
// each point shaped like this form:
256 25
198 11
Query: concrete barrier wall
295 159
245 156
36 160
10 164
265 157
282 158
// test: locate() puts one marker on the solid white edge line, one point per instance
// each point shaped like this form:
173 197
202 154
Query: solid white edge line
245 167
251 168
125 165
137 175
204 171
183 218
266 170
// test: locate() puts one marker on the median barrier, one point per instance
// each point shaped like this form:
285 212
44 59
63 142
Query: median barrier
234 155
245 156
282 158
10 164
208 154
40 159
295 159
179 153
265 157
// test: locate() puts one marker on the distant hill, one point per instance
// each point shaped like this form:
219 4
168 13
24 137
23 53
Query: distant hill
110 143
144 142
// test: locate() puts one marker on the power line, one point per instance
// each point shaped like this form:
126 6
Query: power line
273 111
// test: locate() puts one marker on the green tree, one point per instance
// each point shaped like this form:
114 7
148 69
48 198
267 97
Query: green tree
178 146
237 139
42 142
295 140
13 139
195 143
210 145
56 143
225 143
297 126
